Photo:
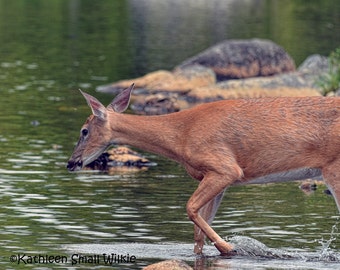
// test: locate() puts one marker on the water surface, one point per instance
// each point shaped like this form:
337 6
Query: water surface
50 49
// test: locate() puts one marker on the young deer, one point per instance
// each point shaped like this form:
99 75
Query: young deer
225 143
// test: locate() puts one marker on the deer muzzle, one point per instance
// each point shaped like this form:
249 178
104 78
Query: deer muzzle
74 165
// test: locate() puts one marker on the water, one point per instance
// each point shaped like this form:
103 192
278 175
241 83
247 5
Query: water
49 49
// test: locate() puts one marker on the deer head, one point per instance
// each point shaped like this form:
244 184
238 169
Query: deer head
95 134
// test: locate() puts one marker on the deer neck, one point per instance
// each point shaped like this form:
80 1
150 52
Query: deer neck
156 134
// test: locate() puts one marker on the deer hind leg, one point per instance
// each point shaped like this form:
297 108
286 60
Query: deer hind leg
331 175
212 186
207 212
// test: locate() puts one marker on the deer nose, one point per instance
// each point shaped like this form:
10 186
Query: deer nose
72 165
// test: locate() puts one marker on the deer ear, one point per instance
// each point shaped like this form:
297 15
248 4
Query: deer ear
121 101
97 108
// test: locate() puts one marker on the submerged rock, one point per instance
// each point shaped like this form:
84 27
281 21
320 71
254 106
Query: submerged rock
169 265
120 159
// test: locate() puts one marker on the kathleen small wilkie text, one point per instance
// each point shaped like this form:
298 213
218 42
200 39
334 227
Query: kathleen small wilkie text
74 259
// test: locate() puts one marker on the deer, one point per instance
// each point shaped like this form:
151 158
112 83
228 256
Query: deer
222 144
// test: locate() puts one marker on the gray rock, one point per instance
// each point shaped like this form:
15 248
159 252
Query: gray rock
313 69
235 59
314 64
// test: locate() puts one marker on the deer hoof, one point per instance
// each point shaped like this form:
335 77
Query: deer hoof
198 248
225 248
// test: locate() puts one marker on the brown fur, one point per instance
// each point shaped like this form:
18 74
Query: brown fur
230 141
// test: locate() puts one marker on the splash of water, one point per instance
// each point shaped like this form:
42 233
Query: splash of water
327 254
250 247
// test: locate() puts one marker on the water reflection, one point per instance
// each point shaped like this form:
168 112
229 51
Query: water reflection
89 207
46 208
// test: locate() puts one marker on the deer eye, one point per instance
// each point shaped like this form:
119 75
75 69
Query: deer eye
84 132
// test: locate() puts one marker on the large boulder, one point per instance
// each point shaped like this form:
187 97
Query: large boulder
236 59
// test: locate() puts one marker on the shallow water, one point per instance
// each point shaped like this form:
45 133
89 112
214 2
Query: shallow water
50 49
252 254
143 214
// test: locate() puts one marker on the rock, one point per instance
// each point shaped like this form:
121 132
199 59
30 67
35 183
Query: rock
262 69
308 187
180 81
303 82
148 81
235 59
156 104
119 158
187 79
313 69
314 64
169 265
288 84
219 92
124 156
230 59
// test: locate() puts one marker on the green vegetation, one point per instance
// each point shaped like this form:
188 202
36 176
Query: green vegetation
331 81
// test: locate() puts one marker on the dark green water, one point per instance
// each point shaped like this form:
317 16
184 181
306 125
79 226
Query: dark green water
50 49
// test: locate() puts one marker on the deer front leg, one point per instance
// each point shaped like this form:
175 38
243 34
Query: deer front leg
207 212
211 186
